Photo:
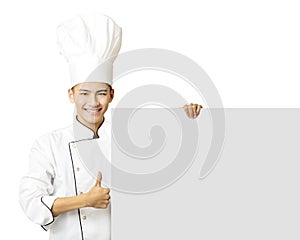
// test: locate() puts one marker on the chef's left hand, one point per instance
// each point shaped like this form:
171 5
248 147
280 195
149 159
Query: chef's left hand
192 110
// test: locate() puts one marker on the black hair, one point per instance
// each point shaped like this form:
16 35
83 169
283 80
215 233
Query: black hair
110 88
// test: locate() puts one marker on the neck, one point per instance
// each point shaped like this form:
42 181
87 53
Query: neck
93 127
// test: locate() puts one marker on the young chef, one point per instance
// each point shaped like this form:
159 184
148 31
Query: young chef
58 192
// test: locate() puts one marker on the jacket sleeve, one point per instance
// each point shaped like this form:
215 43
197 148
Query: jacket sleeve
36 188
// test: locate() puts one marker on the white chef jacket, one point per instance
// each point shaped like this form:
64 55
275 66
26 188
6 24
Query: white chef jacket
56 170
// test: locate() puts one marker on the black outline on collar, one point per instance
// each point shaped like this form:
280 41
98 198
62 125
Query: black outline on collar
95 134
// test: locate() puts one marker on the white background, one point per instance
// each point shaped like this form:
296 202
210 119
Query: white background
250 49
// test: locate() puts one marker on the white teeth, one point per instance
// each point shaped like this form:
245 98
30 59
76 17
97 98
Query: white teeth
93 110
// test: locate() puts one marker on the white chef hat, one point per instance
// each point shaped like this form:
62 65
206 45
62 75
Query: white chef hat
90 43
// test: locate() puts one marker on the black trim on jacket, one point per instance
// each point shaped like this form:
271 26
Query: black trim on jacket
78 210
43 226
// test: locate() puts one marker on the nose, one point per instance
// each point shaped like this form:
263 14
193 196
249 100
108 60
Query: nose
93 101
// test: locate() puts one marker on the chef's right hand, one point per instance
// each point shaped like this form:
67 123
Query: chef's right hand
98 197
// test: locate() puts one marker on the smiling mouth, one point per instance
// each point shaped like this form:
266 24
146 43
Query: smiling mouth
93 111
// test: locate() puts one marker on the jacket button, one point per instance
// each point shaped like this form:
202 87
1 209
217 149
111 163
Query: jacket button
84 217
78 169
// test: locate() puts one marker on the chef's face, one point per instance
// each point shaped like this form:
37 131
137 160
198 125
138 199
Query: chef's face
91 101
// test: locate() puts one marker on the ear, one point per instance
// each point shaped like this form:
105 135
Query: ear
71 95
112 93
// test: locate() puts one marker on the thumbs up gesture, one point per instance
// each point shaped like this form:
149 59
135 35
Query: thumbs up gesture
98 197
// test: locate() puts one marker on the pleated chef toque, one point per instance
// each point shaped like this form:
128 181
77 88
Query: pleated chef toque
90 43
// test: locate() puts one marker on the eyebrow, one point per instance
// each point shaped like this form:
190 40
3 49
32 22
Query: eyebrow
86 90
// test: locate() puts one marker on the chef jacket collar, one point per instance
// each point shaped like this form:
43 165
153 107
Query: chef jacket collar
82 132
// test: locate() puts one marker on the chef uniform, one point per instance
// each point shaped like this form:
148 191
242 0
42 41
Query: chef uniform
90 44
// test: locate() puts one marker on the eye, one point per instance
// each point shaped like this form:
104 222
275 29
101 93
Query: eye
83 93
102 94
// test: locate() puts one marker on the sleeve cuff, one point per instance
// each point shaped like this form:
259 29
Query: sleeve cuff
48 202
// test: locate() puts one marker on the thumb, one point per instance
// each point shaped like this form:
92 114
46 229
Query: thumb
99 178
